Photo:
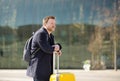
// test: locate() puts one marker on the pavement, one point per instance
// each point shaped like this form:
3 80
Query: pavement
80 75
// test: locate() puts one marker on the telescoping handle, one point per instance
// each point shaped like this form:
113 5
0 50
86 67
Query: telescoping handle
54 62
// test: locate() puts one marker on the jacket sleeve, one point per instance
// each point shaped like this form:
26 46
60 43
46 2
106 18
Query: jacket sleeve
43 43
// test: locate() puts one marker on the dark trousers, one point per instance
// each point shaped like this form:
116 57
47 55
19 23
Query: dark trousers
35 79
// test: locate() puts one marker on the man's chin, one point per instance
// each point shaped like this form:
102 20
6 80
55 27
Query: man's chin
53 30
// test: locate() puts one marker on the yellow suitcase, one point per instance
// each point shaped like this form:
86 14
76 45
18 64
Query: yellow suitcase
62 77
65 76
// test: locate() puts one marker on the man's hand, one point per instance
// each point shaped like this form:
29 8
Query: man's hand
56 47
59 52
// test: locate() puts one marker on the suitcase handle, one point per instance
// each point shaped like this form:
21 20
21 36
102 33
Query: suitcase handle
54 63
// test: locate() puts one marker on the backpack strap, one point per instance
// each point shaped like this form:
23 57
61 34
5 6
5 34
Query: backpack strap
33 54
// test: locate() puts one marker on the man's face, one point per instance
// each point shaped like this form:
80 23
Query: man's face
51 25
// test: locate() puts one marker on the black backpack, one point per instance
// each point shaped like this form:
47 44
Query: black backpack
27 50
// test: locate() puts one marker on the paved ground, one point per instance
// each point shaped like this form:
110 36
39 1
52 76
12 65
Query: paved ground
81 75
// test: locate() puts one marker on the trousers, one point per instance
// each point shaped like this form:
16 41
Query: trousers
35 79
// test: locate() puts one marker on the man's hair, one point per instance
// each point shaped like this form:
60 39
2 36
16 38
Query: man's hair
45 20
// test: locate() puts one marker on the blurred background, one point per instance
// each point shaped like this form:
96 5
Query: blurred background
89 31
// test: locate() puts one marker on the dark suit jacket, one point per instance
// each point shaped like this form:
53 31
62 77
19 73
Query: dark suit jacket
41 63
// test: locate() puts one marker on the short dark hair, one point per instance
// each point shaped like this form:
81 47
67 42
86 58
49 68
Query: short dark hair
45 20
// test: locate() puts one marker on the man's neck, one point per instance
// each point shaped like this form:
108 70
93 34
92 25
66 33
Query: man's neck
49 32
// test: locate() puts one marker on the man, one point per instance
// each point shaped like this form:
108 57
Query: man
42 61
